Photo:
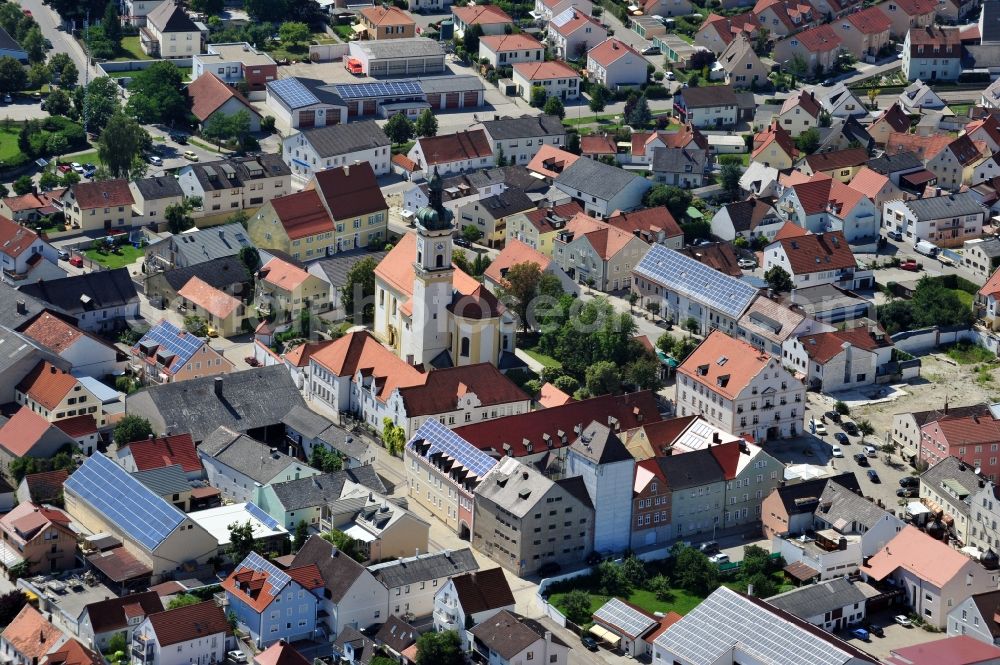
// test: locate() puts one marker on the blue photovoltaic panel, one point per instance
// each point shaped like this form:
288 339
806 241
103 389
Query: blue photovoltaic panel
277 577
694 279
443 440
124 501
293 92
381 89
172 341
261 516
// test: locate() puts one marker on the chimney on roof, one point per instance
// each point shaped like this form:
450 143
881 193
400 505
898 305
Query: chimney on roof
22 308
347 169
218 386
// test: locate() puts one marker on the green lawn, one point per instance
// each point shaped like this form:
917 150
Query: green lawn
682 602
547 361
344 32
960 109
967 353
125 255
964 296
588 120
84 158
8 143
131 50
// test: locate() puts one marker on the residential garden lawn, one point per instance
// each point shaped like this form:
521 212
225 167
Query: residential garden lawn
547 361
967 353
127 255
589 119
131 50
8 143
682 602
960 109
403 148
279 51
964 296
344 31
83 158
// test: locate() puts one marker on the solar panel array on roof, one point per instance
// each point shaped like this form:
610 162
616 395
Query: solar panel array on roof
171 341
443 440
381 89
616 613
694 279
293 92
261 516
277 577
124 501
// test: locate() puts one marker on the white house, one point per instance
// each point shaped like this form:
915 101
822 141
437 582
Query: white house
822 203
520 138
614 64
170 33
976 617
573 32
814 259
918 97
320 148
932 53
471 597
555 77
196 634
452 153
412 582
504 50
946 221
25 256
601 188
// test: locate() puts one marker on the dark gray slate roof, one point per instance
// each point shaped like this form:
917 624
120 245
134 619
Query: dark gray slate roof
238 171
248 456
161 187
949 205
343 138
708 96
839 504
990 247
208 244
424 567
818 599
525 127
305 421
339 571
980 56
957 474
804 497
506 203
324 488
693 469
600 445
249 399
220 273
344 442
165 481
337 266
901 161
679 160
443 84
595 178
9 303
87 292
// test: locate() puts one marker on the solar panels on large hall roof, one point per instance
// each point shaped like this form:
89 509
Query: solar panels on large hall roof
678 272
380 89
294 93
443 440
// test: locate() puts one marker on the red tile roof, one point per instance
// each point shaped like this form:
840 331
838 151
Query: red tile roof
818 253
190 622
992 285
913 550
917 7
53 333
404 162
45 486
924 147
648 222
380 15
790 230
78 426
823 193
361 352
774 133
629 410
540 71
958 649
724 364
870 21
281 653
806 100
212 300
610 51
257 590
283 274
14 238
541 218
551 160
896 118
455 147
208 93
505 43
577 21
837 159
728 28
514 253
31 635
551 396
820 39
823 347
443 388
299 356
102 194
302 214
482 15
868 182
47 384
350 191
32 201
165 451
598 144
72 653
989 126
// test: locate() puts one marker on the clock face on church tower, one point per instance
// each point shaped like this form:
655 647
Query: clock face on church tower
439 246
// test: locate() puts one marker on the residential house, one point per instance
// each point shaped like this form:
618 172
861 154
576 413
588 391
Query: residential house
170 33
593 252
354 143
717 32
892 120
906 426
644 143
489 215
774 147
840 164
842 360
54 395
288 293
677 496
305 430
962 437
101 301
29 637
600 147
988 299
907 14
280 653
39 537
573 32
198 633
31 207
237 464
680 167
775 328
918 97
713 107
195 247
729 627
946 221
254 591
353 647
398 639
159 452
818 47
307 499
840 102
546 9
876 187
513 499
976 617
783 17
626 626
743 67
87 354
412 582
746 219
471 599
224 315
654 225
934 576
846 511
44 487
833 605
236 183
385 530
538 228
734 387
25 256
452 153
815 259
166 353
490 18
210 96
100 621
948 488
676 283
789 510
614 64
156 537
985 129
555 78
152 196
601 189
98 205
234 62
981 256
800 112
387 22
507 638
505 50
932 53
864 33
519 139
990 99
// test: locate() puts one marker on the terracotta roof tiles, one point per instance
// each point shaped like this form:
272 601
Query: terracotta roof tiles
53 333
455 147
380 15
515 252
724 364
870 21
913 550
481 15
102 194
302 214
212 300
165 451
540 71
818 253
361 352
610 51
47 384
208 93
14 238
505 43
31 635
443 388
24 429
550 160
190 622
283 274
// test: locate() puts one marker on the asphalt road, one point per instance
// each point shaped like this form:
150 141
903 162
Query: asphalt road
62 42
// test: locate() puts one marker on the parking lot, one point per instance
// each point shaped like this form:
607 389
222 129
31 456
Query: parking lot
895 636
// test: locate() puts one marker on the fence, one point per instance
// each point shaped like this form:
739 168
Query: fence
921 341
328 52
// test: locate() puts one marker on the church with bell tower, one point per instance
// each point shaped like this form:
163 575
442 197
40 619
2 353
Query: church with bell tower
427 310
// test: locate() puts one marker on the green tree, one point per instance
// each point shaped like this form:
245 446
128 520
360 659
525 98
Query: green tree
301 533
383 660
778 279
842 408
729 178
13 76
470 40
393 436
602 378
500 158
576 606
208 7
443 648
567 384
643 373
11 604
182 600
101 102
634 571
427 124
196 325
267 124
676 200
611 580
241 541
399 129
38 75
538 96
691 325
294 33
519 288
808 141
250 258
346 544
68 75
58 102
865 428
49 180
325 460
694 572
598 98
69 179
155 95
266 11
217 129
23 185
573 142
131 428
554 106
640 116
121 146
178 219
117 643
359 289
763 586
112 25
471 233
756 561
34 44
57 145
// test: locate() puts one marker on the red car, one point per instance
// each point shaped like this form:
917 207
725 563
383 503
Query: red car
27 12
64 168
909 264
76 262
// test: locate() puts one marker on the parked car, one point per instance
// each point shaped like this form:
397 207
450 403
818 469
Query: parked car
873 476
818 428
861 459
63 255
895 235
841 438
837 451
909 264
906 492
850 428
901 620
78 167
870 451
462 242
671 76
65 168
832 416
7 99
155 161
76 261
875 630
709 547
89 170
651 50
588 643
746 264
190 156
179 138
909 481
236 656
861 634
719 558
